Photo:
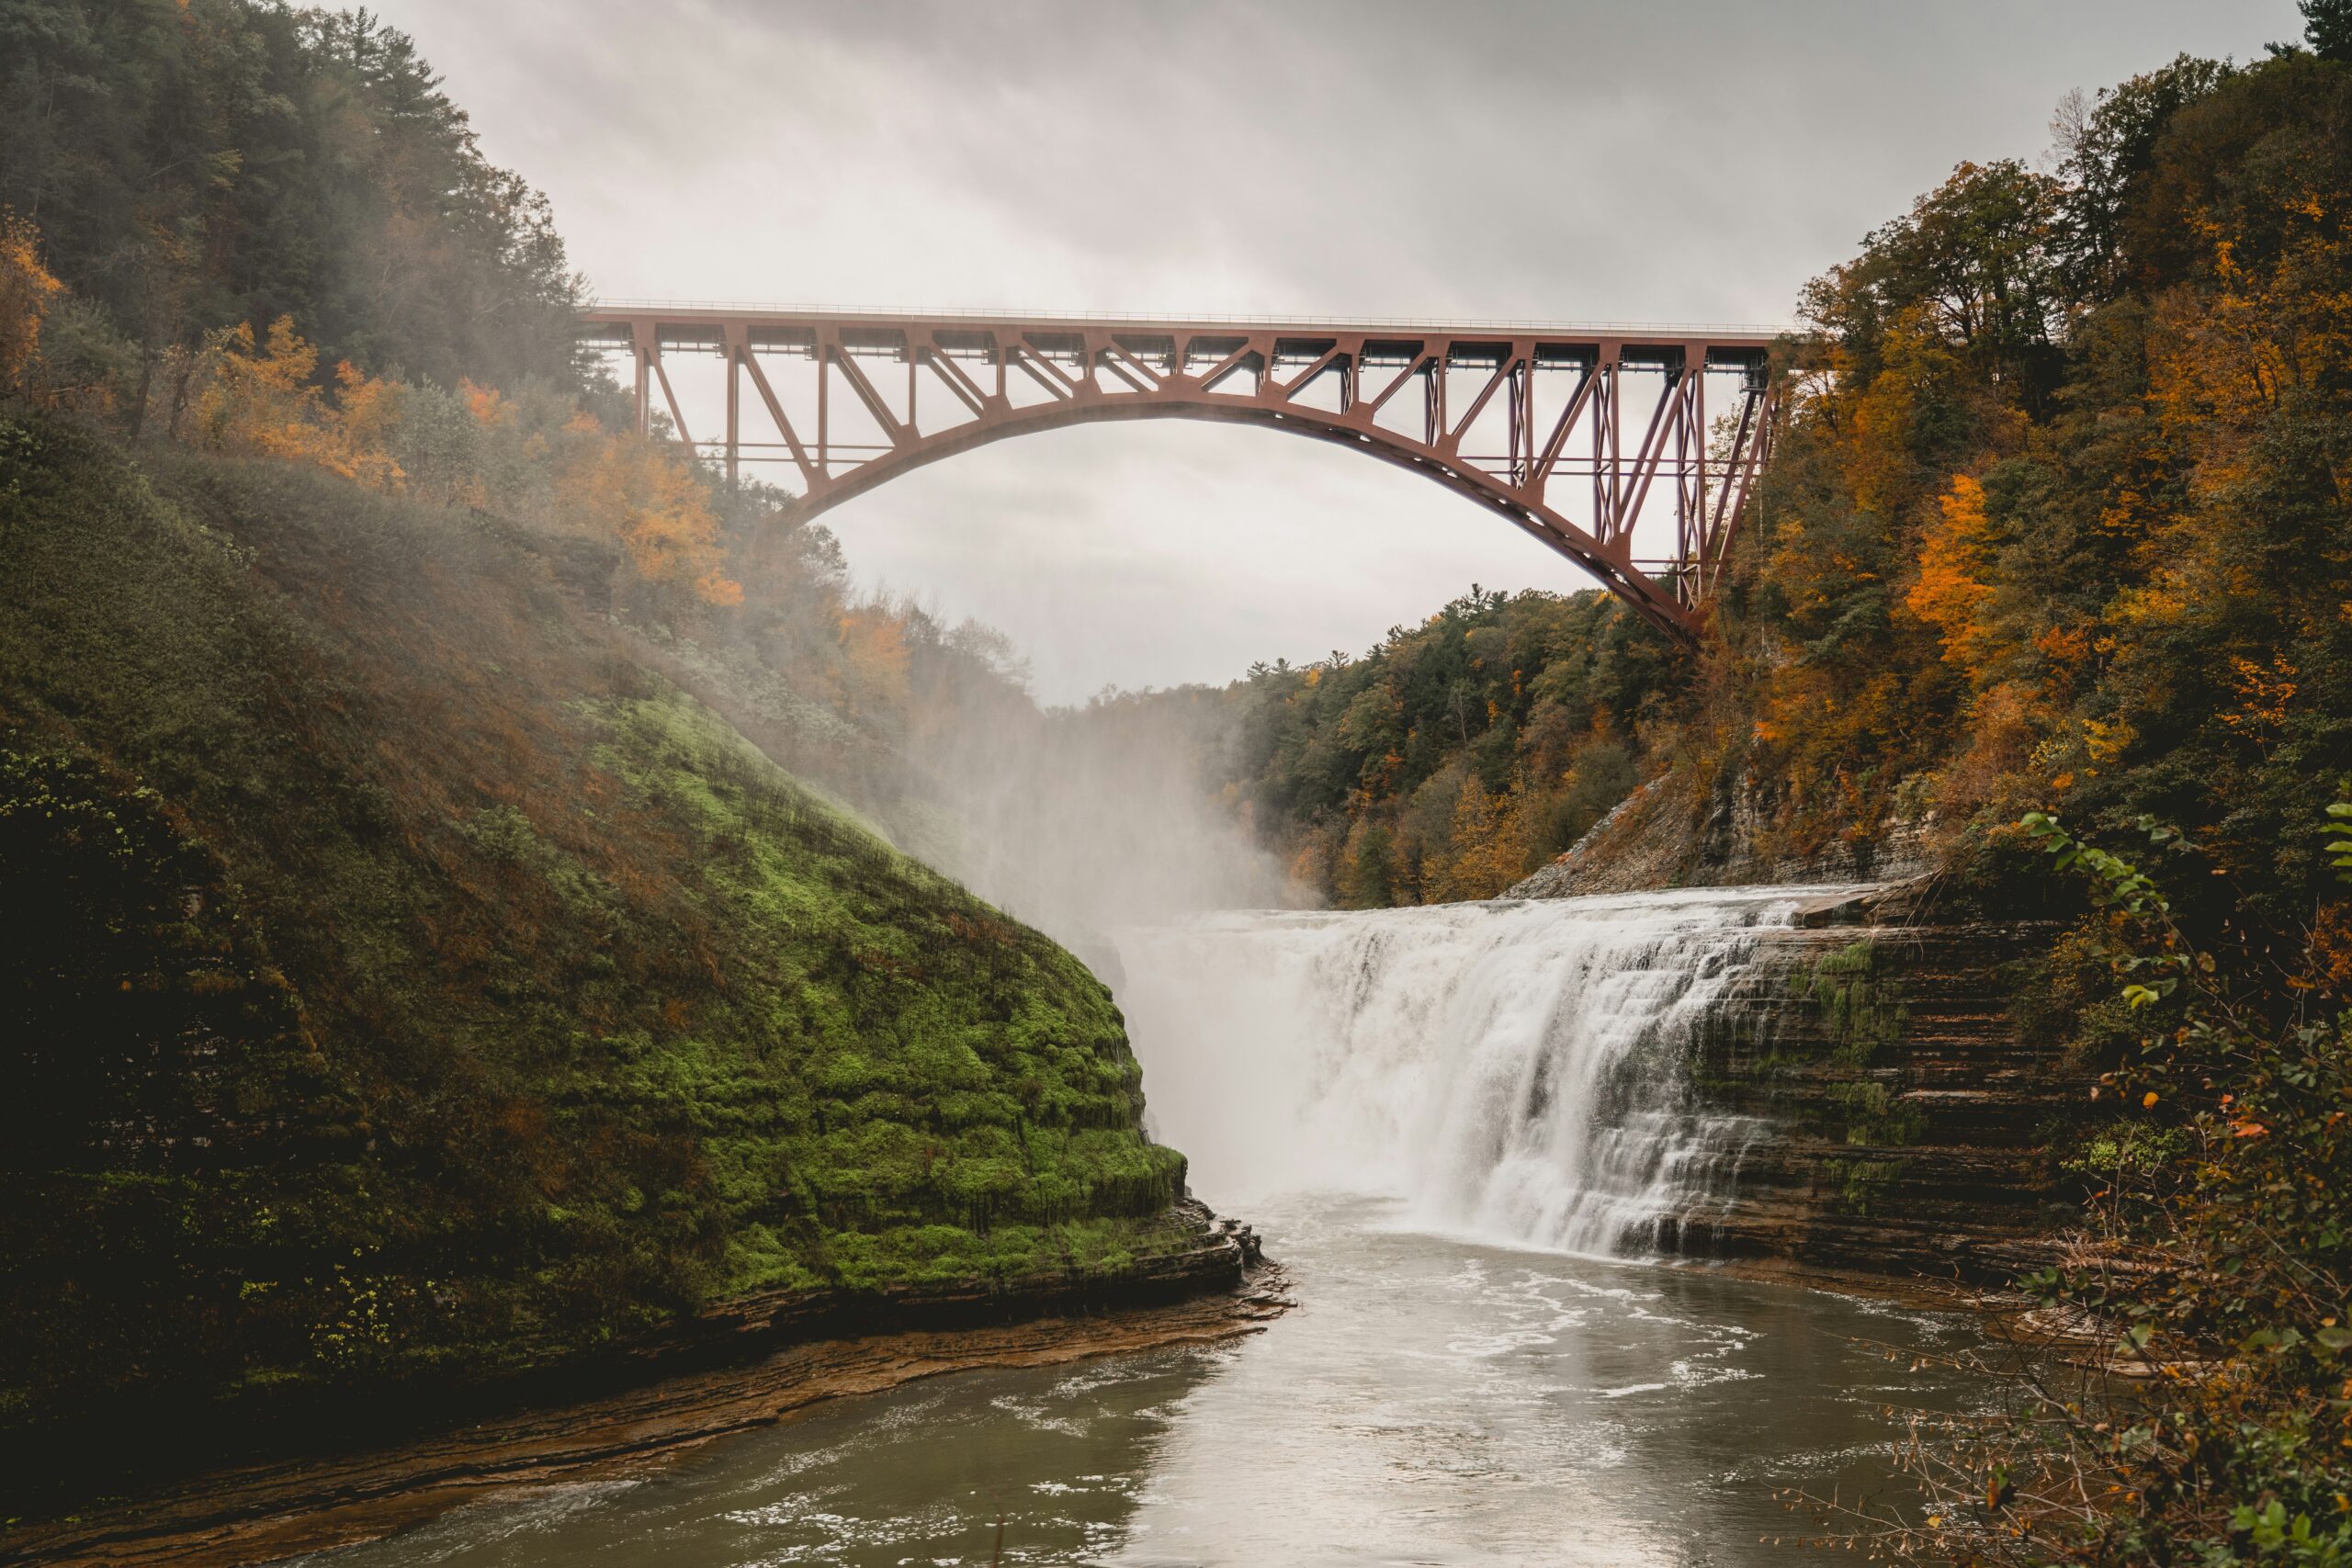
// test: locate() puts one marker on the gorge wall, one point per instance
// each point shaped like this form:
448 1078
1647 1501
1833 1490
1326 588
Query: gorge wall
1912 1128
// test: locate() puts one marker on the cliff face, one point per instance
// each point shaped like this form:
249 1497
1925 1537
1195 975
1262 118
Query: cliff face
1665 835
417 988
1910 1126
1910 1123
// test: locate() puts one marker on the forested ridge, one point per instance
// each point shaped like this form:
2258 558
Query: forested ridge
192 165
2055 519
2055 555
416 977
1453 759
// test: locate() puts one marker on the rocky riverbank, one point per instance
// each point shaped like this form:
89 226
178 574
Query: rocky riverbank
755 1363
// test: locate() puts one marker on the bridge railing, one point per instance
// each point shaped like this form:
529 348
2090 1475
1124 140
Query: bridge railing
1660 330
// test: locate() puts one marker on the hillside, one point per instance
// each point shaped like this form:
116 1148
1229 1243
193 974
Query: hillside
409 982
1458 755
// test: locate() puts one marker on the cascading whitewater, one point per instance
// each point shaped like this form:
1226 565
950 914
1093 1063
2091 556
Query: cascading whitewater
1518 1070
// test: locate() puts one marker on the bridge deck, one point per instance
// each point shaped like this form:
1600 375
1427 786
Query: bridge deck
620 314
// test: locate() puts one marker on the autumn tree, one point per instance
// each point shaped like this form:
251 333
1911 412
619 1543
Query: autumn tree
265 398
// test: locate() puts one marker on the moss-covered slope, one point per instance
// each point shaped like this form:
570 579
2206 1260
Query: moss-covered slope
408 980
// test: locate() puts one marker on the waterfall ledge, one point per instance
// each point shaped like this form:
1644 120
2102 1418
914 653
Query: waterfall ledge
1824 1075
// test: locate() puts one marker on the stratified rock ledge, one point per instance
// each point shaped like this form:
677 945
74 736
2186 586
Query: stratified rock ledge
722 1373
1909 1135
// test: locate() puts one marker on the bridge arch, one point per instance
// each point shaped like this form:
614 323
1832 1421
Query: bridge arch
1499 415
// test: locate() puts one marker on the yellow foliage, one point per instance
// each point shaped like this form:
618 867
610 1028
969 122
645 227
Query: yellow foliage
1876 464
2108 742
27 289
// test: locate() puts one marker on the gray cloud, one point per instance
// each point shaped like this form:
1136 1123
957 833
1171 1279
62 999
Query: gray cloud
1665 162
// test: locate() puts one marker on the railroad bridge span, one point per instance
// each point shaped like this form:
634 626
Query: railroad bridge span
1575 434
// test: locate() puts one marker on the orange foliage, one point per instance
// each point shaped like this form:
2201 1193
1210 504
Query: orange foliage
672 535
1487 851
487 405
2263 694
2331 949
262 398
1950 591
26 290
628 487
875 657
2004 726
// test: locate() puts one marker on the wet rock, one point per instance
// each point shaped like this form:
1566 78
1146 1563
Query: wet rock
1911 1123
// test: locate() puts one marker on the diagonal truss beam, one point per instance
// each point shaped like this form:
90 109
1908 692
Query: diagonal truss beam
1553 403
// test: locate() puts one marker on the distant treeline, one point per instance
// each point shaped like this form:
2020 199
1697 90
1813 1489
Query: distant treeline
1449 761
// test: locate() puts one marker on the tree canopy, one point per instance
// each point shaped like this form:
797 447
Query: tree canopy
195 164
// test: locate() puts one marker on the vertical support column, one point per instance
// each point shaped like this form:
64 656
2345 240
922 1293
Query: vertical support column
824 351
1696 551
1433 400
1522 416
1677 389
644 334
1606 408
735 335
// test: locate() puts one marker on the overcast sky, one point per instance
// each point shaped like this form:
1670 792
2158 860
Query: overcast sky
1656 162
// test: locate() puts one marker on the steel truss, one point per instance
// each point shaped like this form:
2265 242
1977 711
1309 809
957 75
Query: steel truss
1501 415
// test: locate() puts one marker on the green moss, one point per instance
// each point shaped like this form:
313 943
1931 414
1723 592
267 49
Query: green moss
553 1008
1862 1010
1874 1117
1861 1181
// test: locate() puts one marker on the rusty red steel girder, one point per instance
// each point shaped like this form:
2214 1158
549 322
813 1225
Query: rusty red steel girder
1458 404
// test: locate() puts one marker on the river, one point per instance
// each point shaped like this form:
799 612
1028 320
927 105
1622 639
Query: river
1461 1130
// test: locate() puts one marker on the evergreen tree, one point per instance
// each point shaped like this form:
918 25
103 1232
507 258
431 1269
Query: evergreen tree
2328 25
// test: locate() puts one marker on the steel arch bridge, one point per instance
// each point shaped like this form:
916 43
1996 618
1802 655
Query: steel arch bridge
1565 430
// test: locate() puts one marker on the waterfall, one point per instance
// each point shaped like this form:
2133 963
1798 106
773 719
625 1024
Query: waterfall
1519 1071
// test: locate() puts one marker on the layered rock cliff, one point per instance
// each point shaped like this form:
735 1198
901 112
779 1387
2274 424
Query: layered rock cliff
1912 1128
1909 1125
